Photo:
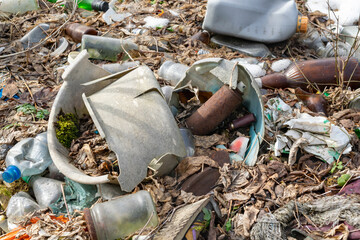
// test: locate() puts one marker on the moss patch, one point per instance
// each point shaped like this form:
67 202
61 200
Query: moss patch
67 128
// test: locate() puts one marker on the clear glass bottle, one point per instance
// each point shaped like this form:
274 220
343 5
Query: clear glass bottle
105 48
121 217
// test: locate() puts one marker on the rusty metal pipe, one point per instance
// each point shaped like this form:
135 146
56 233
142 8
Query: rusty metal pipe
244 121
321 72
215 110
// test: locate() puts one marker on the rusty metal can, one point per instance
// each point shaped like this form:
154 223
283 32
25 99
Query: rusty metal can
215 110
76 31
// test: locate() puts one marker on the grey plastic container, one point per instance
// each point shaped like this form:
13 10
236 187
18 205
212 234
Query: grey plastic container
257 20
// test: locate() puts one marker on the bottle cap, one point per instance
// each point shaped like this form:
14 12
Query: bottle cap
99 5
302 24
11 174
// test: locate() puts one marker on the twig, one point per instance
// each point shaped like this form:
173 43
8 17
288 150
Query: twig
28 88
147 223
302 73
63 193
128 54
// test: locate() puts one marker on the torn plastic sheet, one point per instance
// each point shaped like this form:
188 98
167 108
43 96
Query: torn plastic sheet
130 121
321 138
277 112
132 115
211 74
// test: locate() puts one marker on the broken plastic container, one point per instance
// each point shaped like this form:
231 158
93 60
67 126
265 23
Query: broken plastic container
18 6
211 74
19 205
105 48
37 34
28 157
121 106
256 20
121 217
46 190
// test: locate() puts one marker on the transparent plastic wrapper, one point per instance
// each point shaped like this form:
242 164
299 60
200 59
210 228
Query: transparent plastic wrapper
46 190
19 205
121 217
28 157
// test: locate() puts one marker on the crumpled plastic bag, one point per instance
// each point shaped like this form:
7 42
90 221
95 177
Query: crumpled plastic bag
277 112
320 137
78 196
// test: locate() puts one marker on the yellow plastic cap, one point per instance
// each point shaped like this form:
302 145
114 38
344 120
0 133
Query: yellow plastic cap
302 24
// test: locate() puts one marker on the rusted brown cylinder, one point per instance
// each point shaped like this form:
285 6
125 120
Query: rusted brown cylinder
201 183
244 121
315 102
320 72
214 111
76 31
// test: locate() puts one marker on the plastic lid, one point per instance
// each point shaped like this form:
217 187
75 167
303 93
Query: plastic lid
11 174
302 24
